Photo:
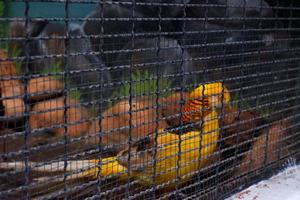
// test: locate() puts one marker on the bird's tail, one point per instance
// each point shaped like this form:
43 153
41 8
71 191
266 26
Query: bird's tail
108 167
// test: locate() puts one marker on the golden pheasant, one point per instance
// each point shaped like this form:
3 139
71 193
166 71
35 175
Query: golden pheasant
175 156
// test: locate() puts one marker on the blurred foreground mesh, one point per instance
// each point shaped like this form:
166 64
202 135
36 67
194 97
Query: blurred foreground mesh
146 99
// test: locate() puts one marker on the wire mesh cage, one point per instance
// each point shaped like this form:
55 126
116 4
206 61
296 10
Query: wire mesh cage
146 99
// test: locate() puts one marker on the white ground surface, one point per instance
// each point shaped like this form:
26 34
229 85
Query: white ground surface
283 186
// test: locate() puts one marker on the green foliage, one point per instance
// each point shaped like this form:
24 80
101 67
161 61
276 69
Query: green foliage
3 24
2 8
15 53
265 111
56 71
94 111
74 93
142 83
236 103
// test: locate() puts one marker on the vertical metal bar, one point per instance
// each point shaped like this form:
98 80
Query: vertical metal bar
296 110
25 98
222 114
157 105
270 100
65 96
240 92
282 115
205 42
182 101
99 183
130 97
258 79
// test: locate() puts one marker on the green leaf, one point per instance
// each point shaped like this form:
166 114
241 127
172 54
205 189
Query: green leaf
2 8
3 25
75 94
55 69
15 53
143 82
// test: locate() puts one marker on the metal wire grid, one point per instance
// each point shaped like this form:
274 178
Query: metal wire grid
110 76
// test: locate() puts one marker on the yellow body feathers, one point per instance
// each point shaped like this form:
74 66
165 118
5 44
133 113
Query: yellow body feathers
188 152
176 156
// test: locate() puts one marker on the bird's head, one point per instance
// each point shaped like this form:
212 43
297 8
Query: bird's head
216 93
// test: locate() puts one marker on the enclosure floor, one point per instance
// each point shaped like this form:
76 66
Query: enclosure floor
283 186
